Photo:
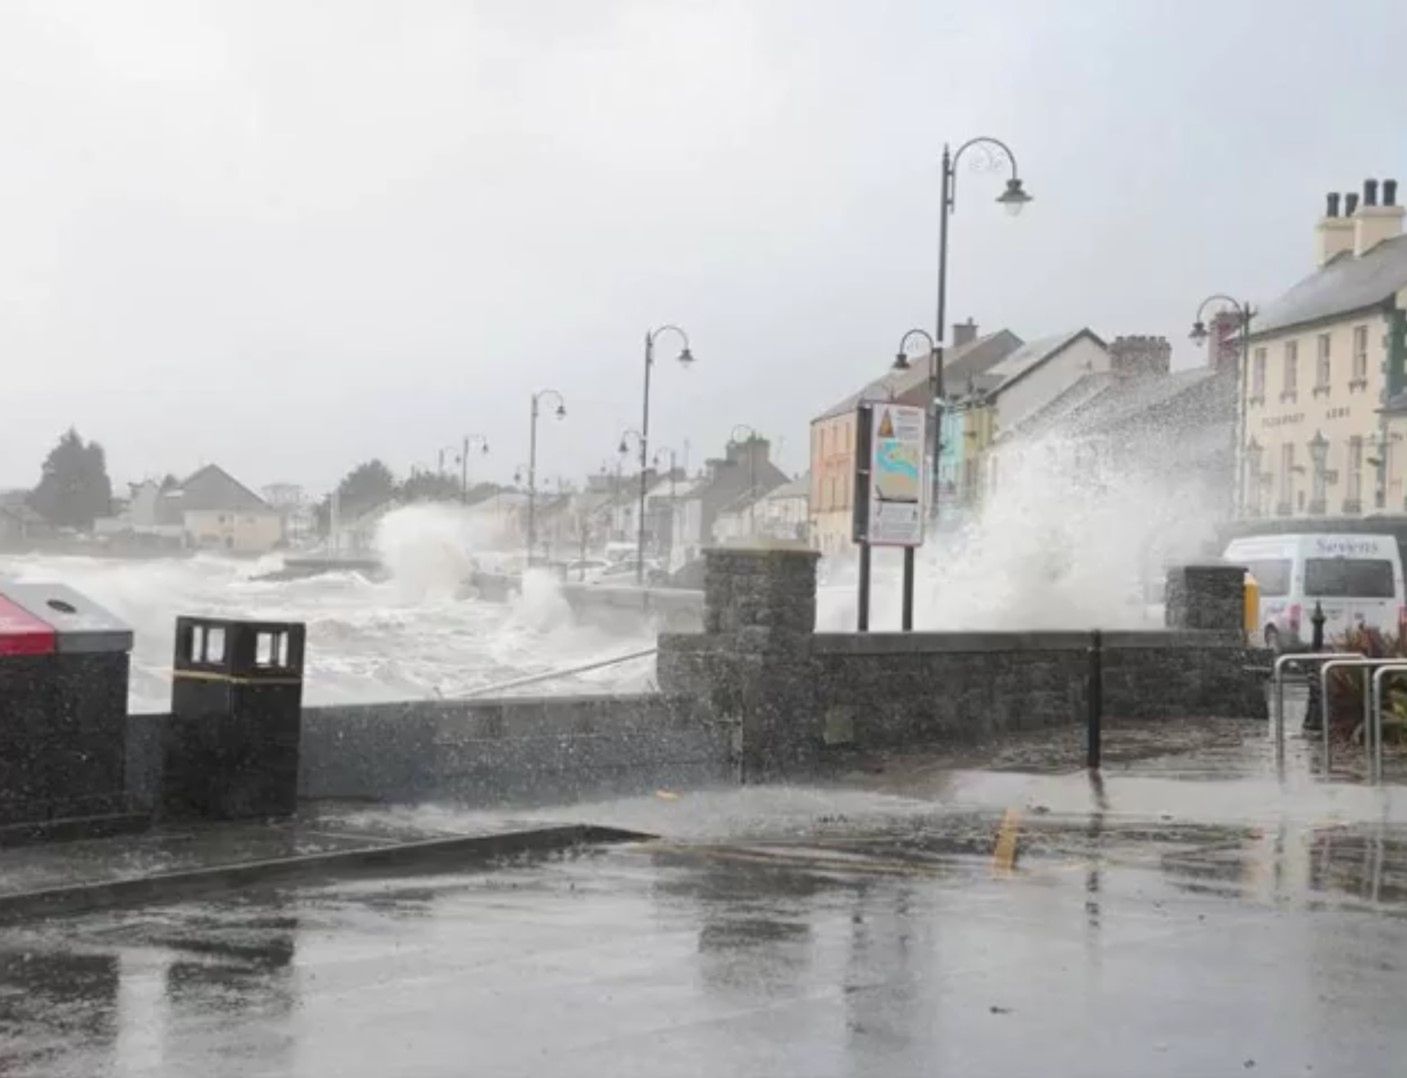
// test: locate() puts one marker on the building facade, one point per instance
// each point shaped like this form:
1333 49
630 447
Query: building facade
831 502
1325 359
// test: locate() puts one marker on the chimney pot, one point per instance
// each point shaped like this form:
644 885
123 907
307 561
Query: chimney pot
1389 192
1332 209
1350 203
1370 192
964 332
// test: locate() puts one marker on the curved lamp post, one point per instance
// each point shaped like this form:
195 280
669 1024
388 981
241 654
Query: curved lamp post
1013 199
751 473
662 454
627 437
532 462
1199 335
470 441
686 357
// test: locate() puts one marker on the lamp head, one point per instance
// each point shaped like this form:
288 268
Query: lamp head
1014 198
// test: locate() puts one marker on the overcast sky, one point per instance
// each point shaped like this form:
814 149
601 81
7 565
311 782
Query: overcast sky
287 236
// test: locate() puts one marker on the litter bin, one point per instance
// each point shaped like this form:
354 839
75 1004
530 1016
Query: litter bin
64 668
231 746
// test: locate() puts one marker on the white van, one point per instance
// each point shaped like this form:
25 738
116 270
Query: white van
1357 578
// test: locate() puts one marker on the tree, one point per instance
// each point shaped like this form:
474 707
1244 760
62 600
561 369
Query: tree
74 488
365 487
430 487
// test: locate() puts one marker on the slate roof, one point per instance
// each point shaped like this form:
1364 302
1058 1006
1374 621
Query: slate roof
1034 354
1108 405
1345 284
959 364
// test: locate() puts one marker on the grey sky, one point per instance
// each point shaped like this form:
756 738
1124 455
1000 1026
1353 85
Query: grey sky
290 235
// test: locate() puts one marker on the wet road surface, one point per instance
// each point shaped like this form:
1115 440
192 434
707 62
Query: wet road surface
919 920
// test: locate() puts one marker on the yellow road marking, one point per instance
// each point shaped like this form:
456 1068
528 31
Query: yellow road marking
1004 852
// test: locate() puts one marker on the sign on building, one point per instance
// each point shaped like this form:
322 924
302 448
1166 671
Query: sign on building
889 475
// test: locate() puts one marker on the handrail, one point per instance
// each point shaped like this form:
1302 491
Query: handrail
532 679
1277 681
1379 676
1367 666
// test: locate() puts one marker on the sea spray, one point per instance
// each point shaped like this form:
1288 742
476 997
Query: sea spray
427 549
1054 546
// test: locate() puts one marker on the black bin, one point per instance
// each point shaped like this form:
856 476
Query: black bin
231 746
64 668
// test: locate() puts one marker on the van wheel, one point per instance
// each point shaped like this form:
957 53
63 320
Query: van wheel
1272 638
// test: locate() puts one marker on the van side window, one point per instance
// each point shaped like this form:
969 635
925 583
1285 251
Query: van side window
1349 578
1273 576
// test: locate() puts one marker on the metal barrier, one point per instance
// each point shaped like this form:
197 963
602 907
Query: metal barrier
1380 675
1367 666
1277 681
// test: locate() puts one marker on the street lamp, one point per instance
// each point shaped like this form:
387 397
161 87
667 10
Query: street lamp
660 455
752 436
532 462
622 451
462 459
901 363
1199 335
686 357
1013 199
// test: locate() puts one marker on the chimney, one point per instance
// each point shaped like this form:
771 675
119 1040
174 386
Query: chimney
1140 355
1333 235
964 332
1373 223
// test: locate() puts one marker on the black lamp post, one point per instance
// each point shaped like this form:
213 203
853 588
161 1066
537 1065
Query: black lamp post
470 440
901 363
1013 199
532 463
751 474
622 451
660 455
686 357
1199 335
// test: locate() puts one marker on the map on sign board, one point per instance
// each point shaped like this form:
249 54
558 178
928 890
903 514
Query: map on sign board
896 476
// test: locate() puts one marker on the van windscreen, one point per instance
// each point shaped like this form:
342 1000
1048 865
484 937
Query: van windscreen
1348 578
1273 575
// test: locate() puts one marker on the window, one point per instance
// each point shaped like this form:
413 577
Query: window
1287 477
1254 464
1321 367
1292 361
1355 473
1318 455
1273 576
1258 375
1360 356
1342 578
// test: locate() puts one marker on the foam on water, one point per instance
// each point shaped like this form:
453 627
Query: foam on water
408 637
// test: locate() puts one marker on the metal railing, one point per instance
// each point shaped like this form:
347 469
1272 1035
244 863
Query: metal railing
1277 681
1380 675
1372 716
550 675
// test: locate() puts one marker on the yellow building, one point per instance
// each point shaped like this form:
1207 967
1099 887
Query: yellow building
1325 359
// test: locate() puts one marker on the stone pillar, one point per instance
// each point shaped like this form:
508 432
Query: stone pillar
753 664
1207 597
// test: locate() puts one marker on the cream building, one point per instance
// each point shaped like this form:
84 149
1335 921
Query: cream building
1325 359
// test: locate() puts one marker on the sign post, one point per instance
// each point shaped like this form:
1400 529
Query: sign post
888 503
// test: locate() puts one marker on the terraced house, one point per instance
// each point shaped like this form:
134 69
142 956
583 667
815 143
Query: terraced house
1324 403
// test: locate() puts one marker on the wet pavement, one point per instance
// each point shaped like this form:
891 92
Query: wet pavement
1193 912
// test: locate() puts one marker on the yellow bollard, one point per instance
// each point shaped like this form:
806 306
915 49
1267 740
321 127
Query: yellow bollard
1251 614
